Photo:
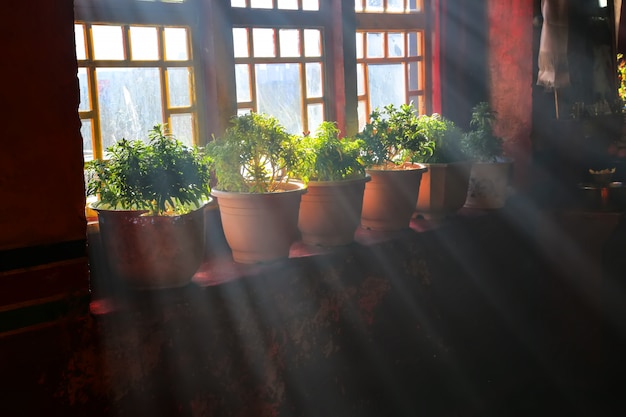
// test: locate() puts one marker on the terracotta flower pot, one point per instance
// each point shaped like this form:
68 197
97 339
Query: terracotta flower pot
152 252
390 197
443 190
260 227
330 211
488 185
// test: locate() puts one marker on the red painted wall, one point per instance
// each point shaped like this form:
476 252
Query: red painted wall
41 182
510 69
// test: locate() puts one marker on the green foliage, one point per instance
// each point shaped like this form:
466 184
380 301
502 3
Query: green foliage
480 144
255 154
325 157
162 177
393 136
444 140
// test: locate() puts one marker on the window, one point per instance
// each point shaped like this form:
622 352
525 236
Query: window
392 59
279 70
131 77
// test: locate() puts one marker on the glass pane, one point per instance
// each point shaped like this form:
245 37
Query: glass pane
107 42
310 5
362 114
414 80
386 85
314 80
415 5
395 42
178 83
289 42
79 37
242 80
288 4
359 45
246 110
238 3
374 5
315 114
415 43
181 126
263 42
312 43
358 5
360 79
130 102
395 6
261 4
83 85
144 43
86 133
374 45
240 42
279 93
419 103
176 44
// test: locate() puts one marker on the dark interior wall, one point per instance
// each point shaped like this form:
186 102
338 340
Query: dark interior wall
41 162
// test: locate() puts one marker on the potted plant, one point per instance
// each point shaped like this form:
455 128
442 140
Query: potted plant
491 170
390 140
444 185
150 200
334 172
258 204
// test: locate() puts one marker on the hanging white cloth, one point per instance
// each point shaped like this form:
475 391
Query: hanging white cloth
553 63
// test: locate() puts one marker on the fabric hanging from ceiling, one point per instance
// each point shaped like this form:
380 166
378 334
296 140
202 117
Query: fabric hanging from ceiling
553 63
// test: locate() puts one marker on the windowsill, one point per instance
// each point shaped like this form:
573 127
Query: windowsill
219 268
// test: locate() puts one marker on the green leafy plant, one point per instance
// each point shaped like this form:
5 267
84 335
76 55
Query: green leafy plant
393 137
162 177
444 140
326 157
255 154
480 144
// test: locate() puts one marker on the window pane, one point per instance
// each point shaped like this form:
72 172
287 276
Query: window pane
386 85
246 110
79 35
83 84
176 44
238 3
289 42
395 6
242 79
359 45
261 4
86 133
362 114
240 42
360 80
315 114
278 93
312 43
373 5
314 80
263 42
107 42
130 102
310 5
358 5
144 45
414 80
179 88
395 43
415 43
181 126
288 4
374 45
